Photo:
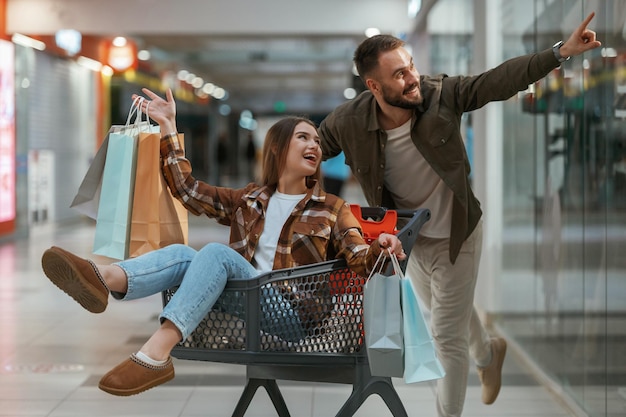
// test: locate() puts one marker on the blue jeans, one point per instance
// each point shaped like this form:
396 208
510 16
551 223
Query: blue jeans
200 275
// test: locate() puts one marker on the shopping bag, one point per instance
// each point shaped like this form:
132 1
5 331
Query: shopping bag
382 320
420 357
114 208
87 198
158 219
112 233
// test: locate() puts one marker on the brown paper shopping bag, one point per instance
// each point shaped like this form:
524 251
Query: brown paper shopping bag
158 219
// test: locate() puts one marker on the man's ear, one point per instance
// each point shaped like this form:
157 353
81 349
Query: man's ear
372 85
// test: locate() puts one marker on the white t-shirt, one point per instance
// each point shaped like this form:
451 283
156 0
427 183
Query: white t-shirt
279 208
414 184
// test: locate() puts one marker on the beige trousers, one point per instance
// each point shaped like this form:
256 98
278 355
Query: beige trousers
447 290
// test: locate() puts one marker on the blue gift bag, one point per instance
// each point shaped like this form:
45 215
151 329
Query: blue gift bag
420 357
116 197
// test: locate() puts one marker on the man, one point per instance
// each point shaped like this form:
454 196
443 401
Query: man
402 140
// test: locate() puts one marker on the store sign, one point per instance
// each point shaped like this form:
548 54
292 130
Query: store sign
7 131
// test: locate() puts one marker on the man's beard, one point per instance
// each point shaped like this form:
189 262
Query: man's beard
400 100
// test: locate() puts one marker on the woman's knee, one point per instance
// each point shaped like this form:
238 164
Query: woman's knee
214 250
179 250
180 247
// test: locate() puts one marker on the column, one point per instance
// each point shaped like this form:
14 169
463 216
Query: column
487 123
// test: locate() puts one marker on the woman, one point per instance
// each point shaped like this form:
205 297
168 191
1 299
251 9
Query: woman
285 222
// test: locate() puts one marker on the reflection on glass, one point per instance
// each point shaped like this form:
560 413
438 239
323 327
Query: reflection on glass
564 167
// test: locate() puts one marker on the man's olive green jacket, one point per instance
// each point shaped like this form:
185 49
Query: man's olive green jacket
435 130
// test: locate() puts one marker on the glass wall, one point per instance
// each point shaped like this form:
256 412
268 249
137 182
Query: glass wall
564 197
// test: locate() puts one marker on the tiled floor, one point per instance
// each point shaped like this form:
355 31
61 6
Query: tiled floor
52 354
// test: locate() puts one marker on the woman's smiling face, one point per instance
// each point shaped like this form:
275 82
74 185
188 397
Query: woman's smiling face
305 153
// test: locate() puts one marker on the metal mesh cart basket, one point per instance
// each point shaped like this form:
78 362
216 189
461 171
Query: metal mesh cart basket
299 324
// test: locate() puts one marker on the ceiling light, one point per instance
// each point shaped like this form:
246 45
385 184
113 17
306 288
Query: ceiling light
119 41
369 32
122 57
608 52
248 123
69 40
108 71
143 55
349 93
208 88
89 63
197 82
219 93
28 42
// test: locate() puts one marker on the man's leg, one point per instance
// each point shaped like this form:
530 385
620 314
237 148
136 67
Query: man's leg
448 290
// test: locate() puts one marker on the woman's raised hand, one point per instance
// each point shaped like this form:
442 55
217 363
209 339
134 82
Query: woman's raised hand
162 111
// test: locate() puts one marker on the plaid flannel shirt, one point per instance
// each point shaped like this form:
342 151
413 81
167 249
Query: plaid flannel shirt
321 227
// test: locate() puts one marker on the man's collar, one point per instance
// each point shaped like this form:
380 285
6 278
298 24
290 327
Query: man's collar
373 124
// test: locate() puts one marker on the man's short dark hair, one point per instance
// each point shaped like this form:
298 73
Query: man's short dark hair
366 54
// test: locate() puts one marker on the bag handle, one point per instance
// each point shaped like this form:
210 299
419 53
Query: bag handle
148 111
396 264
378 264
134 109
138 125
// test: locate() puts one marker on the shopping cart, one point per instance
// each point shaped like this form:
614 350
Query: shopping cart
301 324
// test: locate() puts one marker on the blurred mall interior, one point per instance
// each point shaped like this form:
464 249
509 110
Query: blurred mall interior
549 166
